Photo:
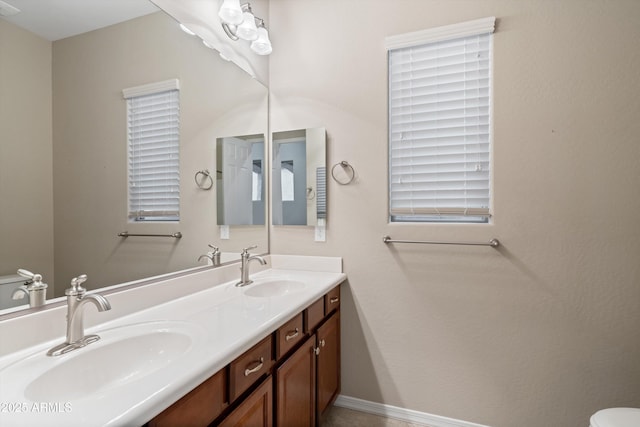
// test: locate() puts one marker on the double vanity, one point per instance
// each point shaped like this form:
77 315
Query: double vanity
189 350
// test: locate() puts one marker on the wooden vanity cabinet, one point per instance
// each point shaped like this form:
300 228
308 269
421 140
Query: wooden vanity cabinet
289 378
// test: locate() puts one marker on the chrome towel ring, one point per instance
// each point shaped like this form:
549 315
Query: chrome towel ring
206 176
347 167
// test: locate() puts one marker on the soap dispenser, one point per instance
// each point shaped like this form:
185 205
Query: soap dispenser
35 289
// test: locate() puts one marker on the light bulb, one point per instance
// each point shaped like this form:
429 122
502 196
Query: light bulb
247 30
231 12
262 45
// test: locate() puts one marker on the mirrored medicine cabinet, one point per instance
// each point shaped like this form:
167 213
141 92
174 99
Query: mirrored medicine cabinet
299 177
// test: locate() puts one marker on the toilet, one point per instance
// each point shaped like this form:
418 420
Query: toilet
8 284
616 417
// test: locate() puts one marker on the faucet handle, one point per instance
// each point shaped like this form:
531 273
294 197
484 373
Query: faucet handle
76 286
245 251
29 275
36 279
215 248
25 273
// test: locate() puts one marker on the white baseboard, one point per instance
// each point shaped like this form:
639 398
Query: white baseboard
402 414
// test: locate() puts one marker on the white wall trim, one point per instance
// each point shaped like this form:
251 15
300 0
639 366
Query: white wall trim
151 88
437 34
402 414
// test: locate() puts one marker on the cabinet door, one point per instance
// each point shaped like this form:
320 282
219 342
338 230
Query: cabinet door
254 411
328 362
296 388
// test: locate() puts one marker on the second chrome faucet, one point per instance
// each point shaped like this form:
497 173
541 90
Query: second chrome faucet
76 300
245 259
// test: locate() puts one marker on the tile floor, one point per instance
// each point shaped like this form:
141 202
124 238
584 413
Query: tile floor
342 417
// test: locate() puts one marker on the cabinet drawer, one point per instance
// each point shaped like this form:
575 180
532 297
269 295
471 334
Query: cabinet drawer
332 300
288 335
249 367
313 315
199 407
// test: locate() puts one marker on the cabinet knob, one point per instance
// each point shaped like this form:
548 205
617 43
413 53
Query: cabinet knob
316 350
322 343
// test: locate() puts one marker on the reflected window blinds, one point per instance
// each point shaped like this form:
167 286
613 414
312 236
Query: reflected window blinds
321 196
440 123
153 128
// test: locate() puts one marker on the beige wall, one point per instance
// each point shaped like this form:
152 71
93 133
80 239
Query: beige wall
90 148
544 330
26 188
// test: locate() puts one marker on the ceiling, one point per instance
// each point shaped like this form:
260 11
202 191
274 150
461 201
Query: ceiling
58 19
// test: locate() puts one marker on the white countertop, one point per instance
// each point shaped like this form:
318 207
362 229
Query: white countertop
225 321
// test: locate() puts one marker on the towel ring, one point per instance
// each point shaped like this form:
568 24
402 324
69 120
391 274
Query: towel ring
201 183
345 165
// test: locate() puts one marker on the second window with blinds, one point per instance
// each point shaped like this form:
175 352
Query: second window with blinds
153 129
440 129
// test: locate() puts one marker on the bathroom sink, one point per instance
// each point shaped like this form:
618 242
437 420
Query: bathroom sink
122 355
274 288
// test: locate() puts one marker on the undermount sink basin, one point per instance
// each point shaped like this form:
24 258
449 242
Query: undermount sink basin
122 355
274 288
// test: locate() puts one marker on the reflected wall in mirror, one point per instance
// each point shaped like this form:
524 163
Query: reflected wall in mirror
299 177
63 153
240 180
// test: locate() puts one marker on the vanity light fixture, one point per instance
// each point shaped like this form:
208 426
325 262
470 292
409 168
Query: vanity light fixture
239 22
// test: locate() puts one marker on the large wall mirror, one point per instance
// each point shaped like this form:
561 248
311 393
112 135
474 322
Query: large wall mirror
63 147
299 178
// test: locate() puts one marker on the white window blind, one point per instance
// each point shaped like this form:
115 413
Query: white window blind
440 123
153 123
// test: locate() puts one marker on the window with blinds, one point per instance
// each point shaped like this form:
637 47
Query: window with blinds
153 128
440 123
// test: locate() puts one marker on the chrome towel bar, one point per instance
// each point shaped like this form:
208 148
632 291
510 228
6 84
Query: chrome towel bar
494 243
177 235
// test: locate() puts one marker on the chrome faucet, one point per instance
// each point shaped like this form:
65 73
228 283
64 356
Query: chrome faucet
76 299
214 256
246 258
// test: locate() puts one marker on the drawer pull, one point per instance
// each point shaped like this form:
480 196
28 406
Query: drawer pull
256 369
291 335
334 300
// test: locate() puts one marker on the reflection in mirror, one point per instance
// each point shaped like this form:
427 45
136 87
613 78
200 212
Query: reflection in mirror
63 153
299 178
240 180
